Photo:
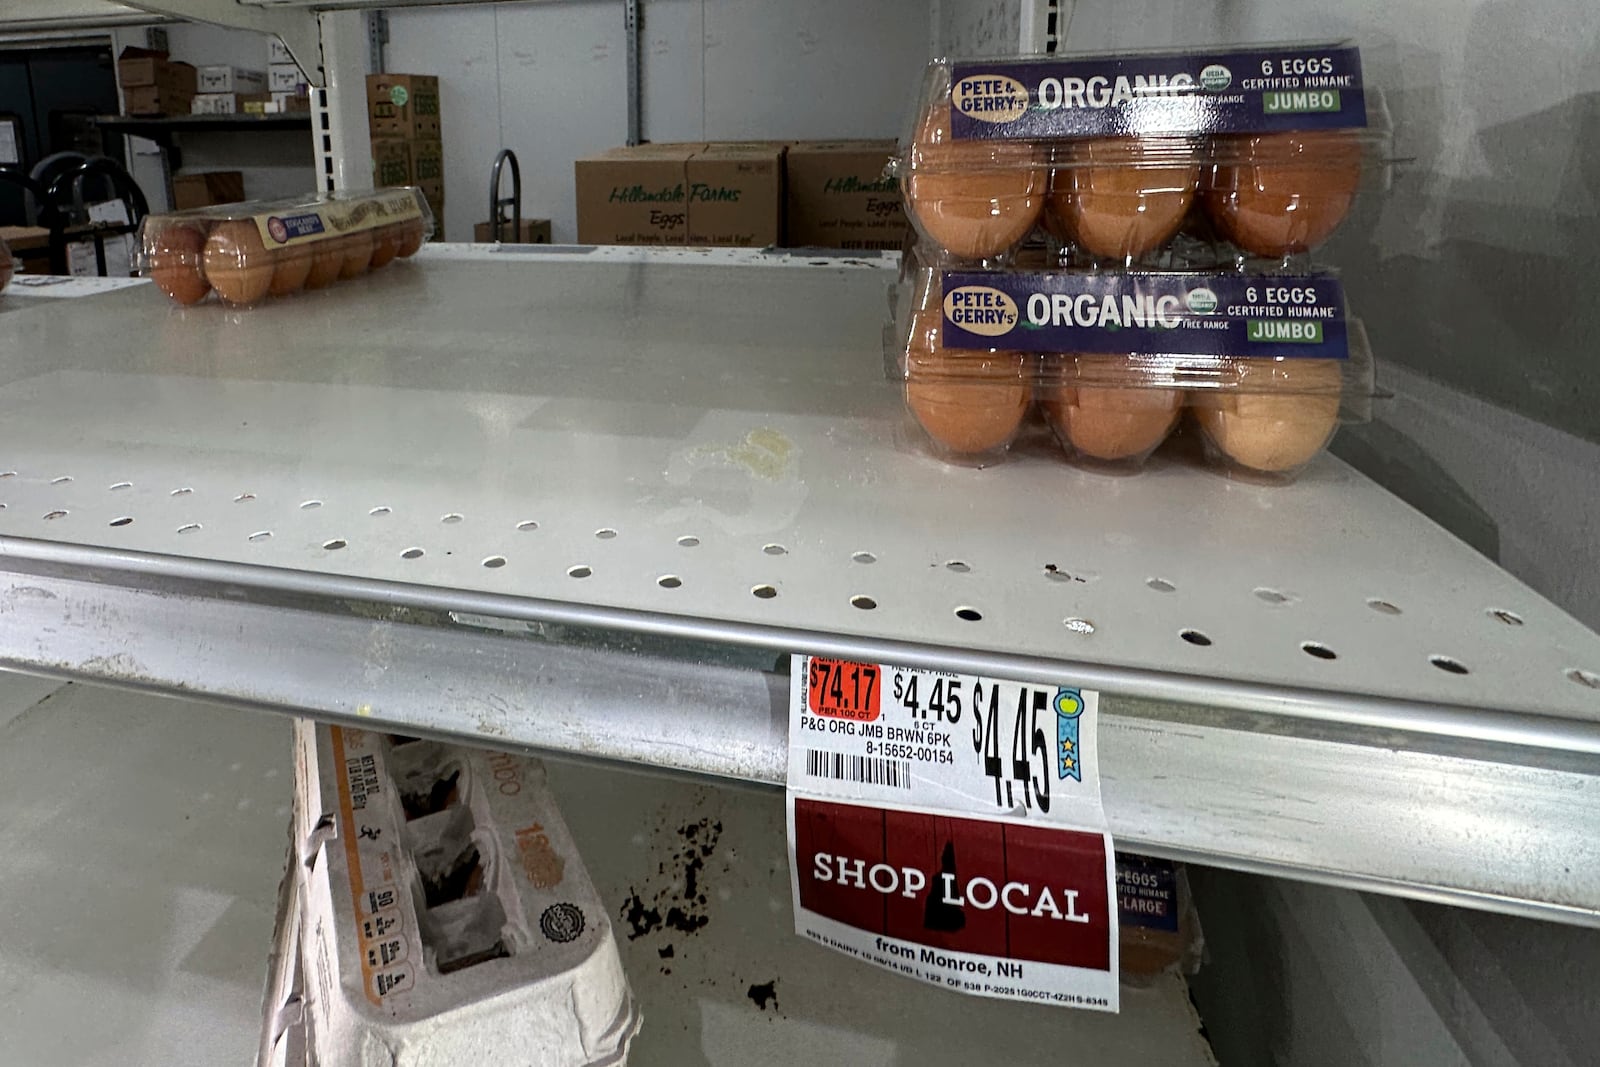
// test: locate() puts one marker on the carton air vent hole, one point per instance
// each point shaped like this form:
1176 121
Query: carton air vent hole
438 795
452 880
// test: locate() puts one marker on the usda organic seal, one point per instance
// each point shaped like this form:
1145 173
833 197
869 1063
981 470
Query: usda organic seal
1216 78
1201 301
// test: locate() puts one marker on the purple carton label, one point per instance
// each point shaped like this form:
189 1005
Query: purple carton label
1147 893
288 227
1208 315
1262 90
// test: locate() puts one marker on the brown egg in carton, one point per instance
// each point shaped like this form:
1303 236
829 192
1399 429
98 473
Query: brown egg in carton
1114 362
256 250
1113 154
8 266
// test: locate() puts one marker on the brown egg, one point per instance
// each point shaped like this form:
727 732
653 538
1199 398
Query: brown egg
385 244
173 259
1119 197
8 266
357 249
292 265
237 263
968 402
327 257
1278 416
1275 194
412 233
1110 422
975 199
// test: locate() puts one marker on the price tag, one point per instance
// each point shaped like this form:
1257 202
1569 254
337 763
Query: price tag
949 827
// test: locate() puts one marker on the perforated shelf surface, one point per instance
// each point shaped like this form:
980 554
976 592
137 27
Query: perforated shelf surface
585 501
684 442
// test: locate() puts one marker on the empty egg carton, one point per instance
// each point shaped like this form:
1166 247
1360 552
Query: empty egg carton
444 914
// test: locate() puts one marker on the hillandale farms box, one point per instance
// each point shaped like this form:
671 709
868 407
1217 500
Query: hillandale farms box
839 197
699 194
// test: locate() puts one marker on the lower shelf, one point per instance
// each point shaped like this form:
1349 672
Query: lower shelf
139 910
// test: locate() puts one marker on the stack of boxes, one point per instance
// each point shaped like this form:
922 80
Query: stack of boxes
229 90
407 147
285 81
810 194
153 84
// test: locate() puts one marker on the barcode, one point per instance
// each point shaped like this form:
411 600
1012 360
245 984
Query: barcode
871 770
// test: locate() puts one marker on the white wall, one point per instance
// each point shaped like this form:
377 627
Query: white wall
549 81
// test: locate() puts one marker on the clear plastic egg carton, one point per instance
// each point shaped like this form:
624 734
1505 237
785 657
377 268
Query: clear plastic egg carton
8 266
445 915
1263 366
1255 152
263 249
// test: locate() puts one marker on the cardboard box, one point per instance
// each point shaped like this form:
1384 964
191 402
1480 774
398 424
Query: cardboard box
838 197
533 232
736 195
403 105
225 79
277 51
207 189
391 162
284 78
144 67
227 103
427 168
717 194
155 100
286 103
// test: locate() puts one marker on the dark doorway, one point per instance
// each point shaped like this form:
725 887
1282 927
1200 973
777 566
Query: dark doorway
48 100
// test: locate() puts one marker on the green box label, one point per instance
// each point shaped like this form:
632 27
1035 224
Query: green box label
1301 102
1284 331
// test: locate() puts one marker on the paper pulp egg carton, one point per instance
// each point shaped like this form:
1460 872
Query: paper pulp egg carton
445 915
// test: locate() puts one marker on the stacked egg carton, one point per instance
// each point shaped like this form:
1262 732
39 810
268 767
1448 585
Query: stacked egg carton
1119 240
438 913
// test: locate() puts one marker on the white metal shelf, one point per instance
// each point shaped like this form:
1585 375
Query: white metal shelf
689 428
